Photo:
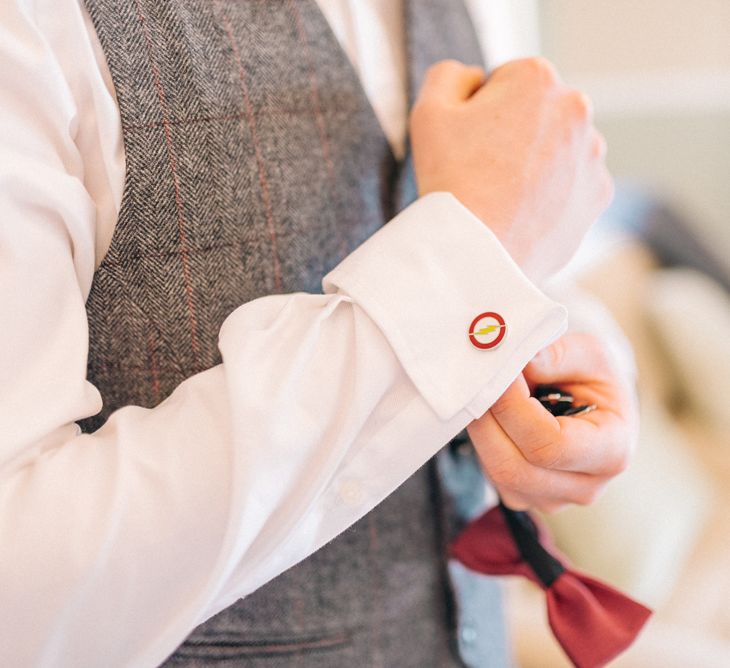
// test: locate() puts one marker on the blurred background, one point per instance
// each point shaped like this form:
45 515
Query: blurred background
658 72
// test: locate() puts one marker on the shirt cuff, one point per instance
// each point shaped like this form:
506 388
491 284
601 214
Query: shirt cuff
424 278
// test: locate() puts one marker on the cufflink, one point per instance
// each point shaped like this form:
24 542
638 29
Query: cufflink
487 330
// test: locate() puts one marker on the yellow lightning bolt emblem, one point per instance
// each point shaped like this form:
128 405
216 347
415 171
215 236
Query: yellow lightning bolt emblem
488 329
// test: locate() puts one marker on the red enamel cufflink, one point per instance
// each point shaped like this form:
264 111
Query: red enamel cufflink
487 330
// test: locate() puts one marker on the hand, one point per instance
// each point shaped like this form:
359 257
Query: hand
519 150
536 460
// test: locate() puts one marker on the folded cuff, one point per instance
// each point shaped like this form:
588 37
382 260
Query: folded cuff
424 278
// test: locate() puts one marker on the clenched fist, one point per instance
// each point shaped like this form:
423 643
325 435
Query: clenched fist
519 149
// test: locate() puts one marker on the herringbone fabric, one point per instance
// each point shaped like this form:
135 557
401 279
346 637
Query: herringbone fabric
254 164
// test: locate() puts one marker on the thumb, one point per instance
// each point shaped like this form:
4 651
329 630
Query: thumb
572 358
451 81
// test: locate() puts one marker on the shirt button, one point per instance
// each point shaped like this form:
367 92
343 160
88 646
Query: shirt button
351 492
468 634
464 449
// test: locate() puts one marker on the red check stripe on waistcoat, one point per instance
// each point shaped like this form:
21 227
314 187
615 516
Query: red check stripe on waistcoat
176 182
261 166
317 107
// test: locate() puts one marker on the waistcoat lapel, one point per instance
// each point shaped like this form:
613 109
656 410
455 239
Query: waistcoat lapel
430 26
430 29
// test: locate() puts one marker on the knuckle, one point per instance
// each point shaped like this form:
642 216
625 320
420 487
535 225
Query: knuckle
501 407
423 114
542 69
608 190
420 107
504 475
588 496
555 353
508 68
599 147
587 341
580 105
592 347
550 507
508 476
621 462
444 68
542 454
537 69
514 501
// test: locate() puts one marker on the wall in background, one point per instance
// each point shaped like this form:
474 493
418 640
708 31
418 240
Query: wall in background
659 74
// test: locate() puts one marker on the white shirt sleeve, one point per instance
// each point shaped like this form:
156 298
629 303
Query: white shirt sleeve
115 545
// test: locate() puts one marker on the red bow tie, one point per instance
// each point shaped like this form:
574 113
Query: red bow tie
592 621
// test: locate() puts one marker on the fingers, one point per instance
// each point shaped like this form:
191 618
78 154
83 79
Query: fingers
451 82
522 485
599 147
533 71
594 444
578 363
573 358
538 460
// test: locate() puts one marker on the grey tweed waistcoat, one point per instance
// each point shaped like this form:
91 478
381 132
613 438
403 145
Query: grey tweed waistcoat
254 165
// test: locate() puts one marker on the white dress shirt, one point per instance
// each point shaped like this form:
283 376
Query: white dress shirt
116 544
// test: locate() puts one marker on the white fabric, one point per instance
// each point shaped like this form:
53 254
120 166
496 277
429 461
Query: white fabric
358 25
116 545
